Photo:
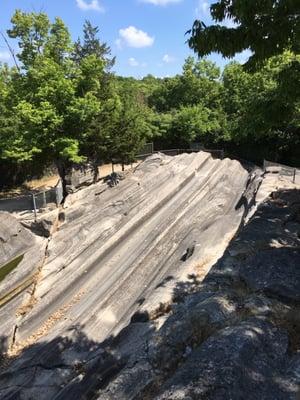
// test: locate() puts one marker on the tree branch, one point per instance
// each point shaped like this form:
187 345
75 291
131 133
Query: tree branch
11 51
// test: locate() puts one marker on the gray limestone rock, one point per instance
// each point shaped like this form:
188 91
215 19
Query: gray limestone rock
245 361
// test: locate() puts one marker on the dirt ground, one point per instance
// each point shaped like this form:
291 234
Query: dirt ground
106 169
48 182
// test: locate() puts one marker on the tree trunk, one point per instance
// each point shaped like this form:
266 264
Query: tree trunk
96 171
61 167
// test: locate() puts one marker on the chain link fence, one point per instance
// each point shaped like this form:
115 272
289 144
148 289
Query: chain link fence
34 201
283 170
148 149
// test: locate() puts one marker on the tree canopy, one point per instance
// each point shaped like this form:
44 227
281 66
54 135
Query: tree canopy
266 27
63 104
52 104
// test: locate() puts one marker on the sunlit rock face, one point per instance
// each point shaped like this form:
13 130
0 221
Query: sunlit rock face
153 289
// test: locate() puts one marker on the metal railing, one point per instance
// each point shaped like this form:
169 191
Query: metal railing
34 201
283 170
174 152
146 150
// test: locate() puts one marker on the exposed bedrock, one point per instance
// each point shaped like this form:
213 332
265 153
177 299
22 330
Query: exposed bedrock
117 246
237 334
21 256
124 254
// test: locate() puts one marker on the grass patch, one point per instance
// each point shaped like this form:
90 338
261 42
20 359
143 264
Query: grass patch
9 267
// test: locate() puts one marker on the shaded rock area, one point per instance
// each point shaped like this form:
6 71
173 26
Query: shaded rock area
80 175
236 335
46 224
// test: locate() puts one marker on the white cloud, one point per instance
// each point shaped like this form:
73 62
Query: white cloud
228 23
87 5
203 9
168 59
132 62
161 2
4 56
243 56
134 37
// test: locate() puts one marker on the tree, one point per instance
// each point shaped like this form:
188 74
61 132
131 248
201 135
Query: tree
55 99
196 123
92 46
199 82
130 126
64 104
263 109
31 30
189 105
266 27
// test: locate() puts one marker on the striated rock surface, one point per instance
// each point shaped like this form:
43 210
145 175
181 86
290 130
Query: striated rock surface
21 256
136 299
236 335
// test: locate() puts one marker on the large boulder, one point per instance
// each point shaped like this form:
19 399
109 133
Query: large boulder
240 362
80 175
14 238
276 272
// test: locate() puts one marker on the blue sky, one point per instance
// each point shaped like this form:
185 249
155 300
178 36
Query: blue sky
146 36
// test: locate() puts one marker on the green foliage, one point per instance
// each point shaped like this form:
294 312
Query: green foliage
266 27
199 82
65 105
68 150
196 123
59 43
262 108
91 45
54 99
189 105
31 30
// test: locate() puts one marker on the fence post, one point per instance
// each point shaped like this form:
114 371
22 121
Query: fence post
44 199
57 194
264 166
34 206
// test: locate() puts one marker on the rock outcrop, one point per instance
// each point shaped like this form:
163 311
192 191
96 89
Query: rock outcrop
137 299
236 335
21 256
14 239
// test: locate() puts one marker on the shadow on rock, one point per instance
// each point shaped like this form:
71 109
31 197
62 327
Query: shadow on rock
234 335
62 368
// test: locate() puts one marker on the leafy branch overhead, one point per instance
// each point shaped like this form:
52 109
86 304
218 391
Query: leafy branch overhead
266 27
